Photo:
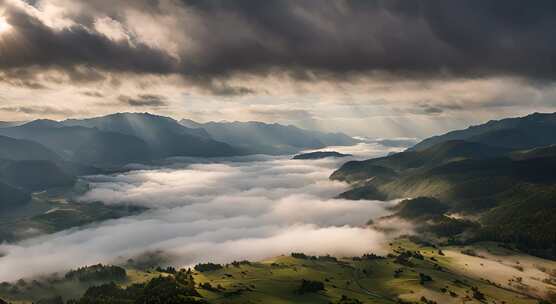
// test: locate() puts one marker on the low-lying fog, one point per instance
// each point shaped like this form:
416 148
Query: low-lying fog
224 210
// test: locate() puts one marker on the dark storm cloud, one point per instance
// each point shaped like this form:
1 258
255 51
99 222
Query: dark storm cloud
465 38
21 78
32 43
25 83
435 108
224 89
329 38
146 100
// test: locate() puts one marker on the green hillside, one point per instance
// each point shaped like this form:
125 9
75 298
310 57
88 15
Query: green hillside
511 194
409 273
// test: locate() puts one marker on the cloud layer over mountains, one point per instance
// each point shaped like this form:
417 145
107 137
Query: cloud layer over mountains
369 68
249 208
219 38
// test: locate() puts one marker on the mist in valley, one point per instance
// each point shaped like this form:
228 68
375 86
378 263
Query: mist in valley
216 210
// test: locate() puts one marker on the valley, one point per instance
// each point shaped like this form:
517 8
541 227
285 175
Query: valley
277 152
364 223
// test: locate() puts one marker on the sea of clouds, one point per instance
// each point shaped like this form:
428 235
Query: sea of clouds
216 210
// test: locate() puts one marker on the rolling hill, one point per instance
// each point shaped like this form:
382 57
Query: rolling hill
510 193
409 273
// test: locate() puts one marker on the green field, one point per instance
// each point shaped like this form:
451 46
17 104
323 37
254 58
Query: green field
454 278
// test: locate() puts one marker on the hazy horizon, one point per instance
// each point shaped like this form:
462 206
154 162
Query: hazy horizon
418 70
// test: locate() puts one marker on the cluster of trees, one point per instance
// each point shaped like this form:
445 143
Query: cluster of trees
323 258
97 272
207 267
239 263
368 257
477 294
347 300
308 286
427 301
208 286
173 289
423 278
169 269
404 258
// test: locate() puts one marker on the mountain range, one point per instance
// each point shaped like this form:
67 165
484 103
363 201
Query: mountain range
44 154
261 138
527 132
499 174
122 138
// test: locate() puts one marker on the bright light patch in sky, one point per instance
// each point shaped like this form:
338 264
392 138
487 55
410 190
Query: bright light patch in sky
4 25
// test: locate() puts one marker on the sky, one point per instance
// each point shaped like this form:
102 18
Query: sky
370 68
252 207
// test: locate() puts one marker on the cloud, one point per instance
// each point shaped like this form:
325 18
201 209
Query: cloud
306 39
435 108
74 46
417 38
223 89
397 142
38 110
273 113
369 68
93 94
247 208
22 78
144 100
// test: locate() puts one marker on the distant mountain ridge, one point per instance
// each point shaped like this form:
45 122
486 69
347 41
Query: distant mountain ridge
164 136
136 124
43 154
121 138
82 145
7 124
265 138
526 132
